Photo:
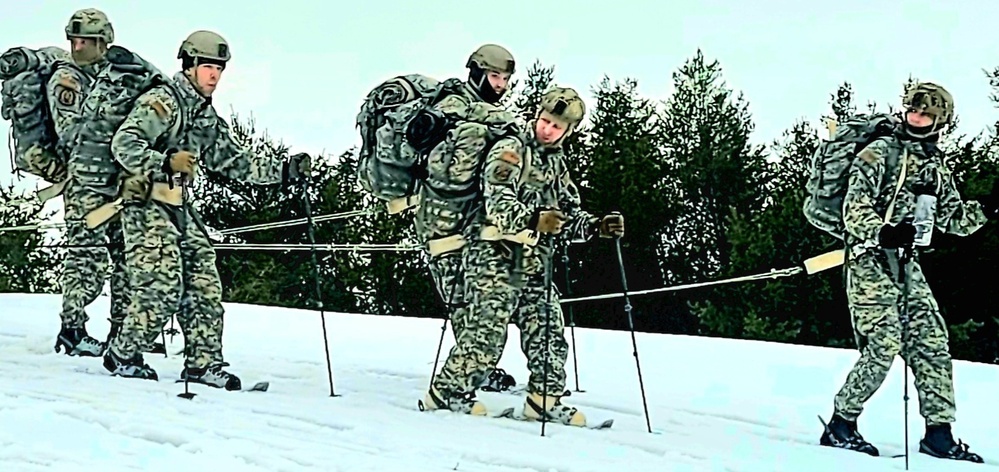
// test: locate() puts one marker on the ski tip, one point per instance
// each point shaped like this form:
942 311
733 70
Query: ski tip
260 387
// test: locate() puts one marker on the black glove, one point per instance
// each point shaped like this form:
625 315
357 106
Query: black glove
297 169
894 237
990 202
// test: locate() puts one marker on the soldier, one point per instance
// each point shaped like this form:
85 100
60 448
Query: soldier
172 130
92 178
880 277
438 218
527 190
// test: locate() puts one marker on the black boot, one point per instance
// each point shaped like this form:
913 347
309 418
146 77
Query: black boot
76 342
939 442
132 368
499 381
843 434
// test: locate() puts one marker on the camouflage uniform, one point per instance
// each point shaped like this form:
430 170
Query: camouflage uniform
456 158
89 94
447 197
167 248
506 279
875 277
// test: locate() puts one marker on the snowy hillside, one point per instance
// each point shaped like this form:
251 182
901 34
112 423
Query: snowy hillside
714 404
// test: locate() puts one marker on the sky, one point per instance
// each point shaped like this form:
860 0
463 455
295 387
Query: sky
301 68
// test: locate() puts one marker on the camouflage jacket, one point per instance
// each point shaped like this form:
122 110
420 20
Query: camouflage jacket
177 117
874 177
520 180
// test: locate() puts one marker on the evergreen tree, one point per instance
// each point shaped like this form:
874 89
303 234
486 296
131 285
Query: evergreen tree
715 173
27 262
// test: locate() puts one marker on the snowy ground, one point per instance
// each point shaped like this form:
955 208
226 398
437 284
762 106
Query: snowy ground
714 404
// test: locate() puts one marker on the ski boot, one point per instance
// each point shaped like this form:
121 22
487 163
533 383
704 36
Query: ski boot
556 411
460 403
843 434
131 368
939 443
499 381
76 342
212 375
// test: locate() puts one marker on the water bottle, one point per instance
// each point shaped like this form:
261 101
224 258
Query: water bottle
926 207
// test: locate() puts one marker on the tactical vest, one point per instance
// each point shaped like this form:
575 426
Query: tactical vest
122 79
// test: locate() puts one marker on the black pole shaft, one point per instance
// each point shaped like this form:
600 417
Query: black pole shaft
548 335
184 276
572 319
904 274
318 286
631 326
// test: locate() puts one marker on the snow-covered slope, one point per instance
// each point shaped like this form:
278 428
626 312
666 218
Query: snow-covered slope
714 404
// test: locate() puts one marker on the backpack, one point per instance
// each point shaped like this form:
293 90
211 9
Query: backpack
829 168
451 192
397 131
25 73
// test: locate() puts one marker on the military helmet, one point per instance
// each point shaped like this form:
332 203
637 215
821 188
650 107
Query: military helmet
206 45
564 103
492 57
932 99
90 23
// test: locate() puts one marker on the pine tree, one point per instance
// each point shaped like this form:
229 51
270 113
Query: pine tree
715 173
27 263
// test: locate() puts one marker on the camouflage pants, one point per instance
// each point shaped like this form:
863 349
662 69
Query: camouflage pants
87 254
875 295
448 275
495 300
172 272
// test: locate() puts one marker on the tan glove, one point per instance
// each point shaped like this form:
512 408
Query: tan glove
550 221
612 225
136 188
182 162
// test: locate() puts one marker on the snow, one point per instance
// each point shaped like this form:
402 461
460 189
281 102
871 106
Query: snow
714 404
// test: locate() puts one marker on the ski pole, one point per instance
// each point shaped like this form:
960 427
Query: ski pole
182 226
572 320
548 309
315 273
905 259
631 326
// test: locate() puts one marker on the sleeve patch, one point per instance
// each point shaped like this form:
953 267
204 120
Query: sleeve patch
161 110
510 157
869 155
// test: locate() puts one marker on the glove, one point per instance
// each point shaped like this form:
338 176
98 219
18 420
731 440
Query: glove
927 182
549 221
990 202
136 188
612 225
297 169
894 237
179 162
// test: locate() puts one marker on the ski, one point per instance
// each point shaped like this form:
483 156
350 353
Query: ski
511 413
257 387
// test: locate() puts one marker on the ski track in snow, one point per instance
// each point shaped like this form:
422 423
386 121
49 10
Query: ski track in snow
714 404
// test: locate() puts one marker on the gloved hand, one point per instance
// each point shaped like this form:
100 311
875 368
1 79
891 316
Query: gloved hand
990 202
900 235
136 188
549 221
298 168
612 225
180 162
927 182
